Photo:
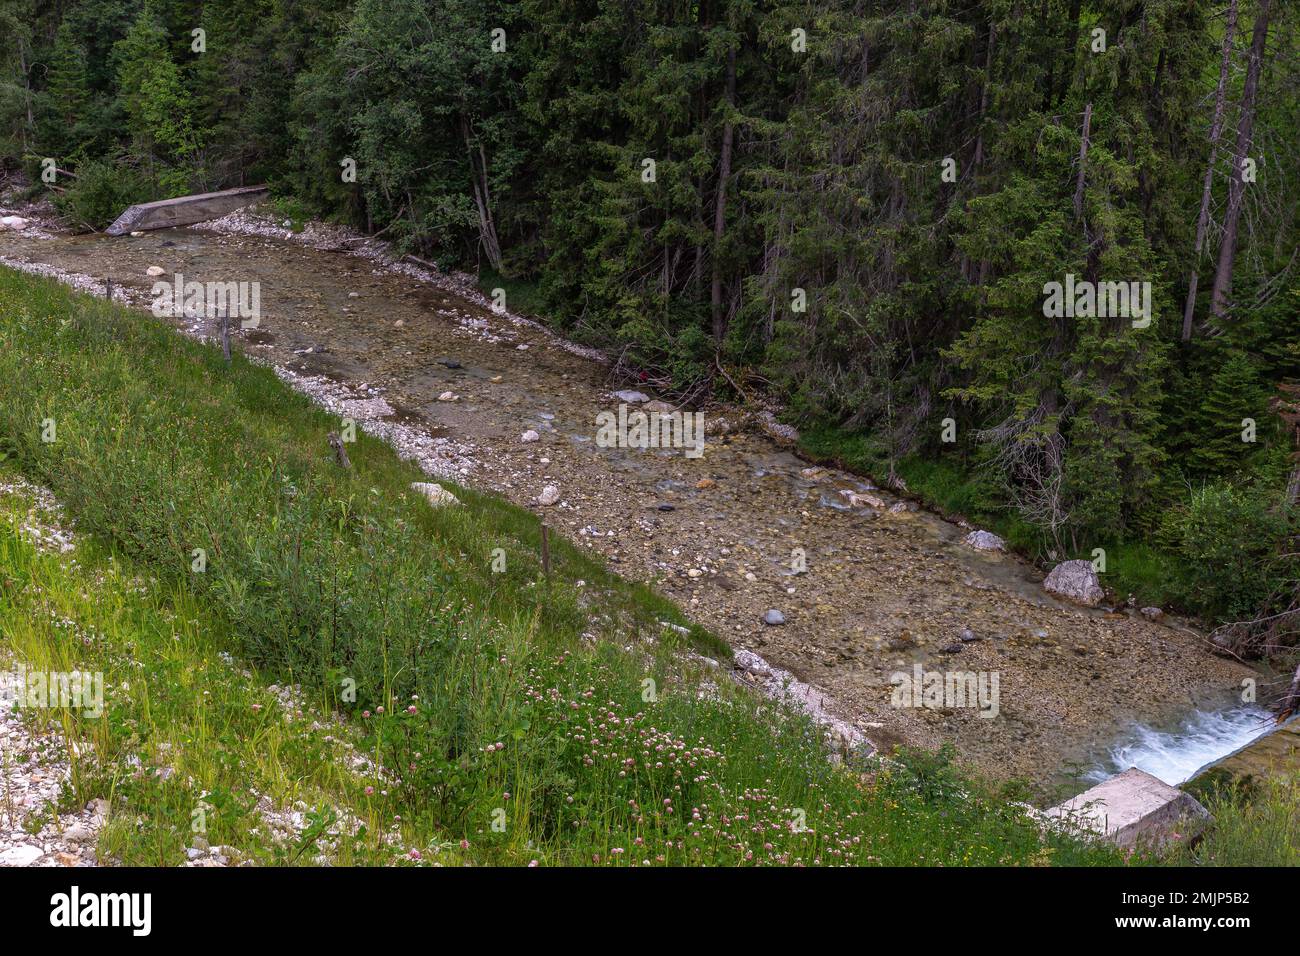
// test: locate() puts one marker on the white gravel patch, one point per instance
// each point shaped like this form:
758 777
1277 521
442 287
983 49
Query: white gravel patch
45 525
34 768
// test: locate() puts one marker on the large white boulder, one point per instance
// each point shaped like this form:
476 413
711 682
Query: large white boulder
1075 581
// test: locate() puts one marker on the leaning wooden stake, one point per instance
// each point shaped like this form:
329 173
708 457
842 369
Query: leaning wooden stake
108 289
340 453
225 338
546 551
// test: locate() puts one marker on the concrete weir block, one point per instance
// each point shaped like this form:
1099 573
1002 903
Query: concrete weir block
1134 807
185 210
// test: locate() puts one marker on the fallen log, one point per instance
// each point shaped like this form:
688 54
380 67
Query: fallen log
417 261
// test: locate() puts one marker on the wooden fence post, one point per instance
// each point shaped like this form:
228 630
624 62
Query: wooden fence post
546 551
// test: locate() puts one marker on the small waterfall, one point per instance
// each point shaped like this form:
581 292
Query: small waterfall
1175 755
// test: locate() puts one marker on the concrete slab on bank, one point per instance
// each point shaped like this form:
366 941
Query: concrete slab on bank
185 210
1134 807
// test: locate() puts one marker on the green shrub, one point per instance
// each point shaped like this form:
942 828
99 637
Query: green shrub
101 192
1230 538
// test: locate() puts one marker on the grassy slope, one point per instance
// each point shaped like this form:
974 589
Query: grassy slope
184 728
551 722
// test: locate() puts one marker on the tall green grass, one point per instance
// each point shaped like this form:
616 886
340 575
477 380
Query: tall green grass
1254 825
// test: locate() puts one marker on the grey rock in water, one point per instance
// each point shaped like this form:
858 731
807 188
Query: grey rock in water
632 397
1152 613
774 617
529 436
549 496
985 541
1075 581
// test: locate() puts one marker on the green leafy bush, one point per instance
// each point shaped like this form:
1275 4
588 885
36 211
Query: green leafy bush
1231 538
101 192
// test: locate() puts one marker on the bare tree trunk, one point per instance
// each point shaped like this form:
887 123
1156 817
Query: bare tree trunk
978 160
487 197
478 176
1083 162
27 93
1207 191
720 206
1236 187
